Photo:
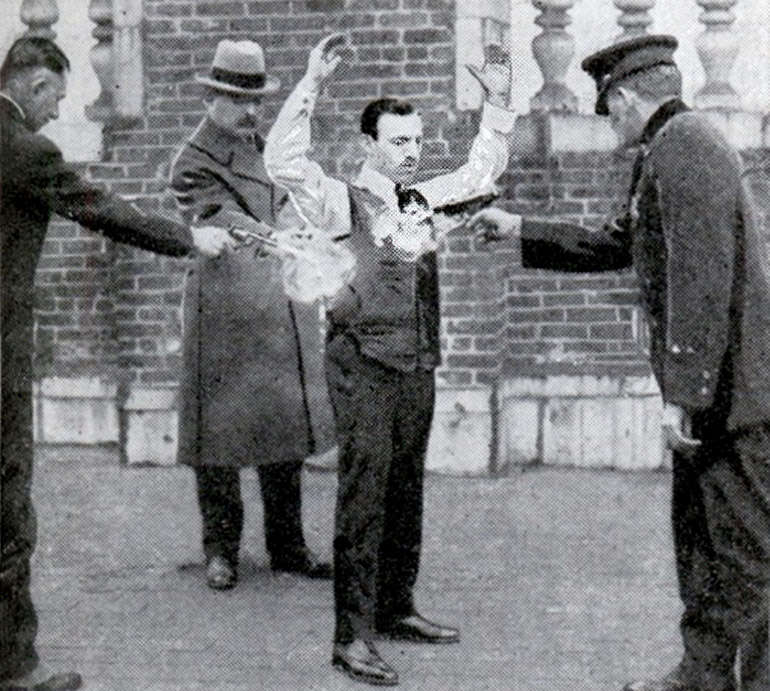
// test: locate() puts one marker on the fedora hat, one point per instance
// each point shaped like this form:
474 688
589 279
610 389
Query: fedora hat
239 68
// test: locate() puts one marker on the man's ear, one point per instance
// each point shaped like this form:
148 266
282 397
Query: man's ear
367 143
38 80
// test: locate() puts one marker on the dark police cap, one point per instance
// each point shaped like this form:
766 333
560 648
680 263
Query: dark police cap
613 64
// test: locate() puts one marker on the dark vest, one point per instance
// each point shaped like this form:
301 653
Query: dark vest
391 308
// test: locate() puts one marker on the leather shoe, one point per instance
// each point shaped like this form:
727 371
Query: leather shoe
220 574
304 563
418 629
64 681
360 660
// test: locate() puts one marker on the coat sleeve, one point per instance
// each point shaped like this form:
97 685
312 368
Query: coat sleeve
569 247
200 192
697 178
70 195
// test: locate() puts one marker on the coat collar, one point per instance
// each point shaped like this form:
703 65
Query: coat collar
9 105
221 144
661 116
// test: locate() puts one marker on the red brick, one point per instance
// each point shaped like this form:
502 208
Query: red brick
563 331
537 315
484 344
269 7
219 8
591 314
454 377
523 300
291 24
250 24
472 361
564 299
428 36
168 9
158 26
402 19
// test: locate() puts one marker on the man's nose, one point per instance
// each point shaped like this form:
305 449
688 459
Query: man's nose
412 150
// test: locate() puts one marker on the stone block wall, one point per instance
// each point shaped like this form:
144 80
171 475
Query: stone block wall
109 315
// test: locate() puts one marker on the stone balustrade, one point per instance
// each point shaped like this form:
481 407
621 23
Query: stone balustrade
116 57
553 48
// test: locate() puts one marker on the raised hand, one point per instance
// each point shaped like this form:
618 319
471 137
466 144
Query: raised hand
325 57
211 241
495 75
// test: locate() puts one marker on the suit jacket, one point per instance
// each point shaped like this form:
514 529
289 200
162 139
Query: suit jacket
252 389
35 183
692 235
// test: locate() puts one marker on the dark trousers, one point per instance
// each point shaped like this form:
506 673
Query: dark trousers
383 419
721 526
219 498
18 534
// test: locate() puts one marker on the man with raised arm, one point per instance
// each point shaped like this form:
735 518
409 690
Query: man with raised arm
383 343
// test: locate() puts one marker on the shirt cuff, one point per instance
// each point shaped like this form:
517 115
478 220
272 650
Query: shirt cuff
497 118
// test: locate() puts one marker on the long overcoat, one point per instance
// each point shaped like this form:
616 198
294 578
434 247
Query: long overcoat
693 236
252 390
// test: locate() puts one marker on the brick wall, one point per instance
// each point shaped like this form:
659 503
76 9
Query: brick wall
108 309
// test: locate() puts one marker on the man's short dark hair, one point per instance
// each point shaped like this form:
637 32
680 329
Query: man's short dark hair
32 51
371 115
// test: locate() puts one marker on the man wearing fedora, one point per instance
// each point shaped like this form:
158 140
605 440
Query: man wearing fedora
253 382
692 234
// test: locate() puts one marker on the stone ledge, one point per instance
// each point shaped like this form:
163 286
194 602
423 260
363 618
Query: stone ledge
545 133
581 421
149 426
79 410
461 436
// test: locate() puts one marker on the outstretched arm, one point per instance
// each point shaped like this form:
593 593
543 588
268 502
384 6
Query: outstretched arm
73 197
320 199
556 245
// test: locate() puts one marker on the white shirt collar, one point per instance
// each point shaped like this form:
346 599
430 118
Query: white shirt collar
17 106
377 183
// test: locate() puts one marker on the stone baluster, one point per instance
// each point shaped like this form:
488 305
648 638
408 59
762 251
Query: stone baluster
39 16
717 47
100 13
127 58
634 17
553 49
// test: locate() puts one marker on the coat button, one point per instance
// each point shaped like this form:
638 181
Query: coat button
675 349
705 391
706 374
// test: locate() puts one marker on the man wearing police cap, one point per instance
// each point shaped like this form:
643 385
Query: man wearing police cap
691 233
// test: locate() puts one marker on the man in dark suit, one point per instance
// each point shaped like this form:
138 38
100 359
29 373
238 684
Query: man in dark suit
253 378
35 183
383 343
692 235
